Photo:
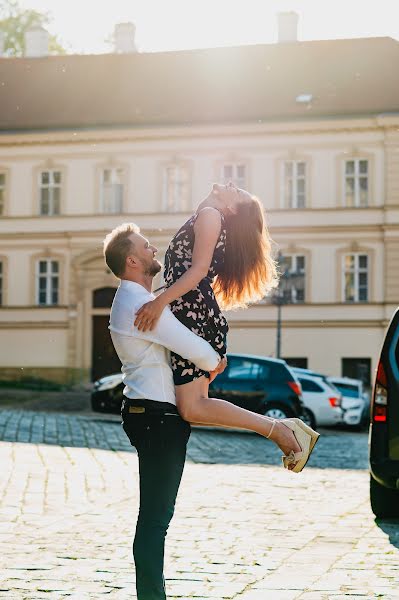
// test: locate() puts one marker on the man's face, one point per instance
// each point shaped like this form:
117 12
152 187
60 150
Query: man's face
145 253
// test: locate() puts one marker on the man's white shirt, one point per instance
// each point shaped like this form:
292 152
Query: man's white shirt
145 355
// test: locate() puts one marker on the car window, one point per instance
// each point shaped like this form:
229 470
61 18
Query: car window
310 386
332 386
241 368
346 389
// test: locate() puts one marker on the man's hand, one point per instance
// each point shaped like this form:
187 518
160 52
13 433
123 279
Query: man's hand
148 315
222 365
219 369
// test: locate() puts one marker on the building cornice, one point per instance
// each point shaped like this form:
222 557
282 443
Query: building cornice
250 324
309 324
376 220
129 134
331 230
52 307
34 325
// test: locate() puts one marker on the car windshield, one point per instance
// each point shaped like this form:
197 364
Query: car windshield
351 391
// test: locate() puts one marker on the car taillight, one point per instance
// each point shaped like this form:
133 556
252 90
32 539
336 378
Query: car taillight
296 387
335 401
380 396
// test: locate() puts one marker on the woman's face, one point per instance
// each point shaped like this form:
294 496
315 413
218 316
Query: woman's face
228 196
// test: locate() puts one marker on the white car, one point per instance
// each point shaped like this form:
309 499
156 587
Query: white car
322 401
354 400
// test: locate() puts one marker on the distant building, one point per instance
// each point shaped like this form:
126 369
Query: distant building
88 142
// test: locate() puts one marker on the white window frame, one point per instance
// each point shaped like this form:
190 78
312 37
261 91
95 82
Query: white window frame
115 189
239 180
356 271
3 192
357 176
48 276
176 188
51 186
291 196
294 269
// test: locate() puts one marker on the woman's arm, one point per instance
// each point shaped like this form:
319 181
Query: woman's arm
207 230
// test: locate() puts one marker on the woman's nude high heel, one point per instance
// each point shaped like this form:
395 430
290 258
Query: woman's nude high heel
306 438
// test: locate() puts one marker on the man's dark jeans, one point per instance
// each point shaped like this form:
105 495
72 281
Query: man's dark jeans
160 440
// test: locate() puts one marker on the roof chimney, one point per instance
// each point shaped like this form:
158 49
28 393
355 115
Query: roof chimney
124 38
287 26
36 42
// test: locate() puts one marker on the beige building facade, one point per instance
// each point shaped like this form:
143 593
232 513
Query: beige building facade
330 188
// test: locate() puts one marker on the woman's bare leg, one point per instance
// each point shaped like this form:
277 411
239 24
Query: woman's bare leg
195 407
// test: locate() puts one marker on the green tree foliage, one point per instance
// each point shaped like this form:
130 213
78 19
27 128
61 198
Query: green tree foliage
15 21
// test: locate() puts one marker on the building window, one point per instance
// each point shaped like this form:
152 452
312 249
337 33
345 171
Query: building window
47 282
298 361
357 368
292 282
355 276
176 188
2 193
1 283
294 184
236 173
356 182
111 191
50 192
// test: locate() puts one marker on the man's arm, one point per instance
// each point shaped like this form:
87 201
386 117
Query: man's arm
172 334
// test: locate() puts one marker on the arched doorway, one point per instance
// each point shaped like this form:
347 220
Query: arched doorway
105 360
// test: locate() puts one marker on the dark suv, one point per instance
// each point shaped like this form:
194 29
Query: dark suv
384 428
263 385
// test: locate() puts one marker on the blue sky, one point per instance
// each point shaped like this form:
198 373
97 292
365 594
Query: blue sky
84 25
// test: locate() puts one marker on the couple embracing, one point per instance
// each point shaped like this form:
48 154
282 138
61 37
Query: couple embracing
172 345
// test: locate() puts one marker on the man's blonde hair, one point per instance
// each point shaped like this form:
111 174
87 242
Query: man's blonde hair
117 246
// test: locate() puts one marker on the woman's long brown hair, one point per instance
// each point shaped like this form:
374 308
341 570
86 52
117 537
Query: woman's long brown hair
249 271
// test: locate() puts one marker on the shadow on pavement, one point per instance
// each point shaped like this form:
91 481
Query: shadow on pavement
62 429
233 447
336 449
391 528
45 400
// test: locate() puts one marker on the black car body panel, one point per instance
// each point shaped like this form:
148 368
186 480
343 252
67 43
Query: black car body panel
384 435
254 382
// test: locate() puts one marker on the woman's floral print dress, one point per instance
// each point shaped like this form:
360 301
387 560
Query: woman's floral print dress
198 309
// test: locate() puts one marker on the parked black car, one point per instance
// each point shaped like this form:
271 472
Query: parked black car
107 394
384 428
263 385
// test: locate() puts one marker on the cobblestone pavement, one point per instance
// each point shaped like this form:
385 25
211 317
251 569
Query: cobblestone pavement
244 528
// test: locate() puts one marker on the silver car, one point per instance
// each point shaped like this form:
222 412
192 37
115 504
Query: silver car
354 399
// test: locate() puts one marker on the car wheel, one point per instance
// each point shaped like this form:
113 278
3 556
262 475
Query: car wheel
277 411
309 418
384 501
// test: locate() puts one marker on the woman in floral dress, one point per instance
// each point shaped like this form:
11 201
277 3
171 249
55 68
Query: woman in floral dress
221 259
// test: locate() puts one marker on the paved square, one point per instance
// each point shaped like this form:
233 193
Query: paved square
244 528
